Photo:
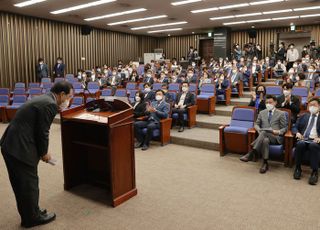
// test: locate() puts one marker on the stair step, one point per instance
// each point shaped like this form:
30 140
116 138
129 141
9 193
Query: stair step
197 137
223 110
211 122
240 101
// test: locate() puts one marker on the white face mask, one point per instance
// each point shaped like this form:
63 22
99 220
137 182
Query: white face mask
147 90
269 107
138 99
310 70
286 93
184 89
148 75
295 65
313 109
190 74
158 97
64 105
114 73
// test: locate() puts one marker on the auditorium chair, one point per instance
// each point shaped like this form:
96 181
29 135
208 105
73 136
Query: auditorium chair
76 101
93 90
69 76
206 100
106 92
10 110
4 91
268 73
4 101
302 92
120 93
33 85
156 86
45 80
34 92
193 88
132 94
316 93
19 91
58 79
225 98
237 136
19 85
46 87
89 99
189 116
174 87
284 150
77 88
131 86
140 86
274 90
311 85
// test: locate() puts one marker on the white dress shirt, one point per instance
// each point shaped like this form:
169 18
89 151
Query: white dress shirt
313 133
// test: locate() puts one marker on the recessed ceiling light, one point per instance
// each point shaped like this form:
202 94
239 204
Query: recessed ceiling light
223 17
28 3
169 35
82 6
234 23
310 15
285 18
184 2
265 2
248 15
204 10
116 14
259 20
233 6
159 25
192 32
277 11
166 30
307 8
137 20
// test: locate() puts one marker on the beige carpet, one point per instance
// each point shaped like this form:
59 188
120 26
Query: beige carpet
178 188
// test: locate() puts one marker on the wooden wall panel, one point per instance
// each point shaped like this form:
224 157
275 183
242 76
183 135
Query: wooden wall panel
265 36
24 39
178 46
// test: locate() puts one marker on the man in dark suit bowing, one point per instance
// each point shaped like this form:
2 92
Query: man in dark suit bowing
24 143
271 125
307 132
184 100
58 69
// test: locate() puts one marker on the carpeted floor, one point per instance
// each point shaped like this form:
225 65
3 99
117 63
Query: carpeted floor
178 188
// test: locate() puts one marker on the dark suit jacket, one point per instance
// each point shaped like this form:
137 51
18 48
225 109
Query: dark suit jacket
149 80
262 105
59 71
150 96
42 72
302 124
294 106
27 136
188 101
140 109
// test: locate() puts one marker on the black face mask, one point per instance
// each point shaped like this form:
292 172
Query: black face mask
259 92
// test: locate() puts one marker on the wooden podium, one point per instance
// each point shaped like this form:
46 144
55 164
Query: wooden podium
98 149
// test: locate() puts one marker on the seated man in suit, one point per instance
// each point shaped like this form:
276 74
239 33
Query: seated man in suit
149 78
149 95
168 97
58 69
308 128
157 110
184 100
114 80
271 125
289 101
235 77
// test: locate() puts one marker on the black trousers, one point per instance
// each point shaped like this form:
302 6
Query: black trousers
25 184
314 151
289 65
140 125
180 113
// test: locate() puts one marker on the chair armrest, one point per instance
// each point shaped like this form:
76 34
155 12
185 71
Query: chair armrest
165 127
288 145
289 134
142 118
228 96
251 137
165 123
221 140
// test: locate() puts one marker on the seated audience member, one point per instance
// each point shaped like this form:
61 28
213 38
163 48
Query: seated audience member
148 78
255 69
167 95
246 75
258 98
204 79
271 125
312 75
289 101
279 69
235 77
114 80
307 132
184 100
134 77
300 80
221 85
191 77
157 110
148 93
139 106
163 78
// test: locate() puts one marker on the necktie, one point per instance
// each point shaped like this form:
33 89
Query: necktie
270 116
308 130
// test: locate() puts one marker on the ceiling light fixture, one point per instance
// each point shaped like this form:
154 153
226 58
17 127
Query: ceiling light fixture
259 20
159 25
277 11
307 8
28 3
234 23
265 2
166 30
248 15
285 18
233 6
204 10
116 14
310 15
137 20
79 7
223 17
184 2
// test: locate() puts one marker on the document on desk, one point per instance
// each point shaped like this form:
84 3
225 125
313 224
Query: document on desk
92 117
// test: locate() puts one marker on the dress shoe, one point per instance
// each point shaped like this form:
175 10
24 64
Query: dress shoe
297 174
144 147
248 156
41 220
137 145
264 168
313 180
181 129
42 212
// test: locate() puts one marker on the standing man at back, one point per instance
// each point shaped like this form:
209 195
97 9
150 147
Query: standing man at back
42 70
24 143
